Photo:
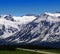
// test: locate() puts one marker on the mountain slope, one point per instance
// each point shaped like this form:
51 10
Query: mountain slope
41 29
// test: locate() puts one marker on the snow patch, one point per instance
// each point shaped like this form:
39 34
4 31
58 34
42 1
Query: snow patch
24 19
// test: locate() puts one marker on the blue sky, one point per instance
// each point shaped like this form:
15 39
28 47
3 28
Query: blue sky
22 7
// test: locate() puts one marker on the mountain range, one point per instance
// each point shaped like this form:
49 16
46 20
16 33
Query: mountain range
39 30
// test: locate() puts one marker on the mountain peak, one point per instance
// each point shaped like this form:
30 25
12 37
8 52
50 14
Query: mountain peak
7 17
53 14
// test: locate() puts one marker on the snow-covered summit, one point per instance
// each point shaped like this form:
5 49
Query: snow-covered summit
24 19
53 14
7 17
12 24
50 17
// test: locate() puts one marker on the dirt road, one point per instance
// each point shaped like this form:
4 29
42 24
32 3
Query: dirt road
38 51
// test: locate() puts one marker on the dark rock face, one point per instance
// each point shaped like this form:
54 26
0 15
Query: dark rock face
9 17
2 29
1 32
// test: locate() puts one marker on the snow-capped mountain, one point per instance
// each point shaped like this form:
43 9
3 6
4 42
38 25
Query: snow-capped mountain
11 24
35 29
